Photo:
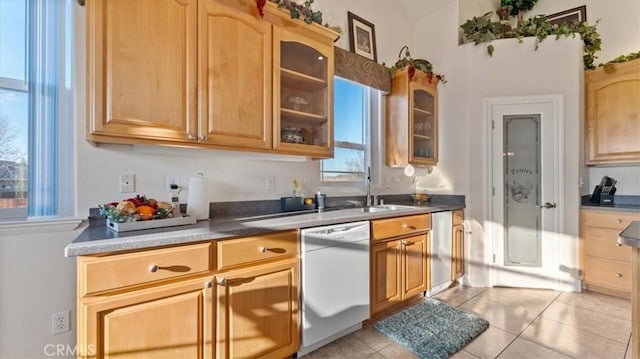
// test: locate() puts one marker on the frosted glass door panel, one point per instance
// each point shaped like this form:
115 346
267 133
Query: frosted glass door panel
522 224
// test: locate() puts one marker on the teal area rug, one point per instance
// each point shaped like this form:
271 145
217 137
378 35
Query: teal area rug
432 329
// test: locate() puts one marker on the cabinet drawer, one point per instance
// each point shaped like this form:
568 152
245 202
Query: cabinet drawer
608 219
400 226
241 251
608 273
602 243
123 270
458 216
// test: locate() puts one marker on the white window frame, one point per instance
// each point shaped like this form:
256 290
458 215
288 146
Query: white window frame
66 138
373 141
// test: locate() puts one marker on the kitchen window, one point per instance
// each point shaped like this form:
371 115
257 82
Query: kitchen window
356 134
36 109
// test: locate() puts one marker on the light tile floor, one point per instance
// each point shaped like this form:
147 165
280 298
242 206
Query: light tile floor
525 323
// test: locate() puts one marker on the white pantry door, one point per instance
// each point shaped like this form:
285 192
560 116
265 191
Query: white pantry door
525 162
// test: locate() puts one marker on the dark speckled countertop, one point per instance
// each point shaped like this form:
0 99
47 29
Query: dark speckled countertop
98 239
621 203
631 235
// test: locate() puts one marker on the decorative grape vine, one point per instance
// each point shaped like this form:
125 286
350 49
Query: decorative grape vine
296 10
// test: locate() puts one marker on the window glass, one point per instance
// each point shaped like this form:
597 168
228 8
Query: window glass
13 149
352 145
13 49
35 103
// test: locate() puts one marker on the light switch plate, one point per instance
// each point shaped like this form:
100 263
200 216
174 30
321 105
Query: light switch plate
127 183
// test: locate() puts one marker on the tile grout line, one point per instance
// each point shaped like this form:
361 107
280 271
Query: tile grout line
527 327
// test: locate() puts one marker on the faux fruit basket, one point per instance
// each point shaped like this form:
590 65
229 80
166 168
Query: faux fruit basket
140 212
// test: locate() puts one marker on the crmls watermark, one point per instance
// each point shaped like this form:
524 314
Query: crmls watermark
65 350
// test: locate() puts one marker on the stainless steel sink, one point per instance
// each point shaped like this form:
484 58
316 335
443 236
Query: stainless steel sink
386 208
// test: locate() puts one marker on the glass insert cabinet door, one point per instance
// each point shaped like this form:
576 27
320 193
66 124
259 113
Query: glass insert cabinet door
303 96
423 126
521 180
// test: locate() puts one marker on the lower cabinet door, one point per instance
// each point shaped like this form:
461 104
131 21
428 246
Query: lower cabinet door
257 311
170 321
386 267
457 252
415 274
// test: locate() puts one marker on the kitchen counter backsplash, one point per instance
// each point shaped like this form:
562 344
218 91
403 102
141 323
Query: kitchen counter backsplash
256 208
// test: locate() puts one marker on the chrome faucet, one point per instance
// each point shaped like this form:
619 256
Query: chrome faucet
369 204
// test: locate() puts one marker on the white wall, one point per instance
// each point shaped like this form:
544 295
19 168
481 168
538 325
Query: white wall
516 70
619 28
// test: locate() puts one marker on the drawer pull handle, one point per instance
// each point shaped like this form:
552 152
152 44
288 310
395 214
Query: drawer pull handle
618 220
618 275
177 268
264 249
406 226
618 244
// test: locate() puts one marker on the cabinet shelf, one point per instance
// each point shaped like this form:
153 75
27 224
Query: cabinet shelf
422 137
422 112
299 81
305 117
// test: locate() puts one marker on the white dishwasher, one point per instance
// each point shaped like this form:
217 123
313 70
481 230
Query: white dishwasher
335 282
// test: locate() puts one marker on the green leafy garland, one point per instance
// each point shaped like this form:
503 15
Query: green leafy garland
415 64
296 10
609 66
483 29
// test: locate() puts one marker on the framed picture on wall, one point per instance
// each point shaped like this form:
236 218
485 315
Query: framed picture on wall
362 37
575 15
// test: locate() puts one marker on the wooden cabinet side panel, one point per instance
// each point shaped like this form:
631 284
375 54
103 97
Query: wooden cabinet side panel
397 122
234 77
141 68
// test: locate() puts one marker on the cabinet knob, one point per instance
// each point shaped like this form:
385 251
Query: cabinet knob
618 220
153 268
264 249
222 281
203 138
618 244
191 136
208 284
618 275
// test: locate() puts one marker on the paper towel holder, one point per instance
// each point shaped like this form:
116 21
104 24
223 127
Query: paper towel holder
198 197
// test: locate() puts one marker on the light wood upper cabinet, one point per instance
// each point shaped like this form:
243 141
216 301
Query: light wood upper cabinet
209 73
141 70
412 120
302 92
234 76
613 114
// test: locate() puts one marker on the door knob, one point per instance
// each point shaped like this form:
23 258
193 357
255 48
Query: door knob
548 205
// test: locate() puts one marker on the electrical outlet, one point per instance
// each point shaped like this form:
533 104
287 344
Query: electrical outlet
127 183
172 180
60 322
270 183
